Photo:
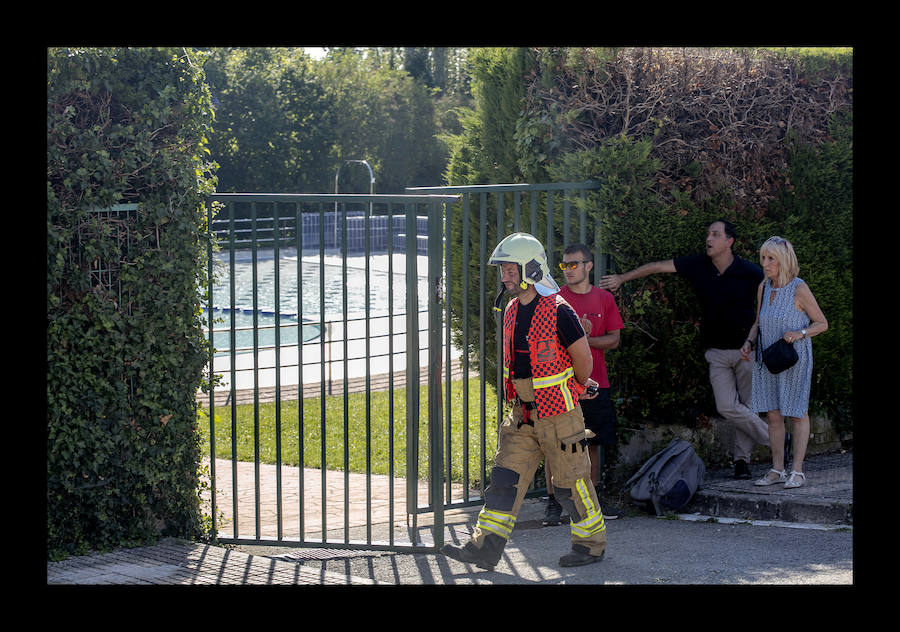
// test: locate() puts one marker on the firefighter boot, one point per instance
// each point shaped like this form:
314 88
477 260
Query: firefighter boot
552 513
579 556
587 525
485 557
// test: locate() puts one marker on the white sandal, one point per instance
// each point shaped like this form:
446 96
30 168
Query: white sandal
765 480
795 479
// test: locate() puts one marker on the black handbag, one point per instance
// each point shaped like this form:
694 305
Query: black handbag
778 356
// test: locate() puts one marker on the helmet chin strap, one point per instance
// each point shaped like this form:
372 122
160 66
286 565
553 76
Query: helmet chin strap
499 299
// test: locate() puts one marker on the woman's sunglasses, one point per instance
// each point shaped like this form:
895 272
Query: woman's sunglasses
571 265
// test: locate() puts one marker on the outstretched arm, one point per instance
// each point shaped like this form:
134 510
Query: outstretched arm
612 282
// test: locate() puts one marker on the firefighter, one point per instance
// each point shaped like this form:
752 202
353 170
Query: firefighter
546 367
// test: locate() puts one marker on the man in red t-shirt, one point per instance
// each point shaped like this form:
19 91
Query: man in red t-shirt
599 316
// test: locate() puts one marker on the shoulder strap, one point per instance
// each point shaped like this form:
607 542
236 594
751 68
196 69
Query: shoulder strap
762 299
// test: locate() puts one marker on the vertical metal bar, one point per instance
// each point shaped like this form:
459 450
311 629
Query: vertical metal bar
435 352
567 217
298 229
534 209
602 264
276 254
498 327
517 211
464 266
256 472
368 394
482 333
445 241
582 224
390 250
549 242
210 276
346 410
322 424
412 366
232 396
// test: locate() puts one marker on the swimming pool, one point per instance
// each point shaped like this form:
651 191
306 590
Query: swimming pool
386 296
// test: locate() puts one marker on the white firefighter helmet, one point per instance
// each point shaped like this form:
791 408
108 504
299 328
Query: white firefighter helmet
525 250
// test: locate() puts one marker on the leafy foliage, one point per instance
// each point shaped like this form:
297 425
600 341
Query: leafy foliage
718 118
285 123
125 348
815 212
679 138
482 152
273 122
384 116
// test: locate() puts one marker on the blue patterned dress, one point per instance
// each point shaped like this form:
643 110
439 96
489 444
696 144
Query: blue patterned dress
789 390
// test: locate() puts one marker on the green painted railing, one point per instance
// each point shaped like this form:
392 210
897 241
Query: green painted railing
307 229
489 213
259 227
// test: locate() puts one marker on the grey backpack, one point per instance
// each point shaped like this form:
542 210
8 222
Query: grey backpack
669 478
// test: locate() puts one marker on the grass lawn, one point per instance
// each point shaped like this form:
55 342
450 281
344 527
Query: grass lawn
345 444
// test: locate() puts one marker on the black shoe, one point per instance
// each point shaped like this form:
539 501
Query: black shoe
469 554
553 513
610 511
742 470
579 556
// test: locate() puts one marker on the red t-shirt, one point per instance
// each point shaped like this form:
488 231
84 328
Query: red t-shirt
601 310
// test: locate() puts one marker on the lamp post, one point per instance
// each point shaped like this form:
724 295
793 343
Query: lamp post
337 176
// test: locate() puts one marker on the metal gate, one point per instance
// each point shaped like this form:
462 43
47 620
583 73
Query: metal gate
330 321
276 352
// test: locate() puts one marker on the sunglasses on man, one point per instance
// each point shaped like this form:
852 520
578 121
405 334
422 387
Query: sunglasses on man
571 265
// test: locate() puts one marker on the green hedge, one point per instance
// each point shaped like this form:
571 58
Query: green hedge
125 347
658 370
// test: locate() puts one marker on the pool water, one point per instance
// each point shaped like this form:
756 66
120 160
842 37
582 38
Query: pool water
315 275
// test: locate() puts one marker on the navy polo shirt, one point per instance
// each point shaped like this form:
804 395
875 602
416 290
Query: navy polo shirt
727 300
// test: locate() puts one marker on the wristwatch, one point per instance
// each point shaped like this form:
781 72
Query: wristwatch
803 331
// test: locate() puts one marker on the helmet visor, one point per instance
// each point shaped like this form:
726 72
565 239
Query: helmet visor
546 286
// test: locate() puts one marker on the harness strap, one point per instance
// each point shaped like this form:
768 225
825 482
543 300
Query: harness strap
527 407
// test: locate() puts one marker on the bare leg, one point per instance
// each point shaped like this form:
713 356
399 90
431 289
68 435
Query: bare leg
776 439
801 440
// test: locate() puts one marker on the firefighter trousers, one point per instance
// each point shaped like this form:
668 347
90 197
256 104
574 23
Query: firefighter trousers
560 440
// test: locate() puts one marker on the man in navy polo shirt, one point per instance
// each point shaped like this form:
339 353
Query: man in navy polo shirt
726 287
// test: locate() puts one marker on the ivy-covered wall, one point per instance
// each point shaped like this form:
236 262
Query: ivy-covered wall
127 180
679 138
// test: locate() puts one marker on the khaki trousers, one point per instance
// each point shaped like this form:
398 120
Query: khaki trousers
560 440
732 384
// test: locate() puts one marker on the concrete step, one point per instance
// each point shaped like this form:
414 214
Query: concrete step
826 498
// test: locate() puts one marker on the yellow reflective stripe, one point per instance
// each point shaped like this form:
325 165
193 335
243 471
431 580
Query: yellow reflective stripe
585 495
561 380
589 526
593 522
506 371
500 523
567 395
553 380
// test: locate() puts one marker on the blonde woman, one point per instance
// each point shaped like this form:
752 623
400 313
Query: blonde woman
786 309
